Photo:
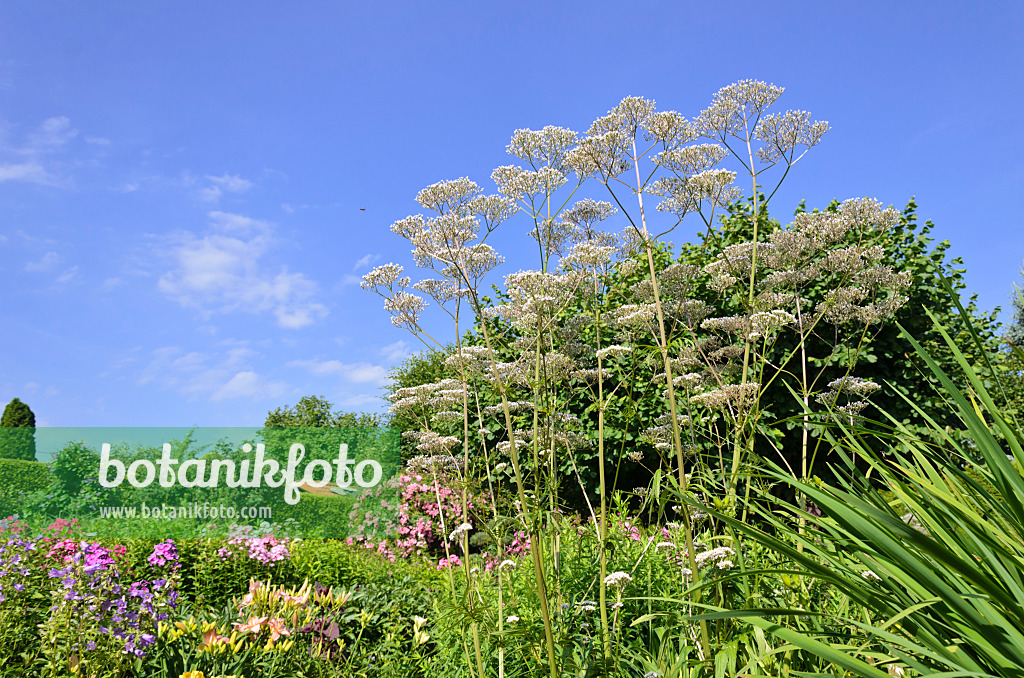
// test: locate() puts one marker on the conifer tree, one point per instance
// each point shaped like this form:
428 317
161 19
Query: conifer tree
17 432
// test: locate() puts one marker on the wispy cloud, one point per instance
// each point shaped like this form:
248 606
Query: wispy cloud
110 284
355 373
396 351
225 375
31 161
52 135
29 172
46 263
225 270
249 385
227 183
67 275
366 261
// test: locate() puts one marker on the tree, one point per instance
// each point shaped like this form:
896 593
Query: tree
316 412
314 423
17 437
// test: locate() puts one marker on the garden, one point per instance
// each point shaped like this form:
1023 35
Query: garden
779 450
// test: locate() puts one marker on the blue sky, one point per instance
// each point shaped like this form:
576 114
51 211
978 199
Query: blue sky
183 185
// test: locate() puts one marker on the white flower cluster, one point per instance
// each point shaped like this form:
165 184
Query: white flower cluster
733 106
782 133
431 464
614 351
461 529
543 148
617 579
738 397
856 391
715 555
586 214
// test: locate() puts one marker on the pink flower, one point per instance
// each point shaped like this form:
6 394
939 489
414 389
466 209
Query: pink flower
210 638
253 625
277 628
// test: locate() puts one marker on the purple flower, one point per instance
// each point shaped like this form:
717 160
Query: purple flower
163 554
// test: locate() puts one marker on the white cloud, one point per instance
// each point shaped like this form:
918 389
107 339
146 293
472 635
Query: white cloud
30 162
251 385
67 275
225 271
97 141
238 224
221 376
230 183
53 134
49 260
366 261
209 194
355 373
110 283
359 400
396 351
29 172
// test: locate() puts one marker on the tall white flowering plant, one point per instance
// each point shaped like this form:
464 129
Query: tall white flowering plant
508 399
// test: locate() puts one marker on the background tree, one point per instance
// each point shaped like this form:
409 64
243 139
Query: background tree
17 435
883 356
315 423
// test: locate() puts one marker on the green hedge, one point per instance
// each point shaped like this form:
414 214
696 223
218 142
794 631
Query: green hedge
18 477
325 516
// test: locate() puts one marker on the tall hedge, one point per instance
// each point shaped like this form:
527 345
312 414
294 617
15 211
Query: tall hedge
18 477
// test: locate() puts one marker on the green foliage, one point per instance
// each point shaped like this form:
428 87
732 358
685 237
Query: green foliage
319 515
424 367
883 354
17 432
322 431
1011 361
73 466
879 353
18 478
932 572
317 411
